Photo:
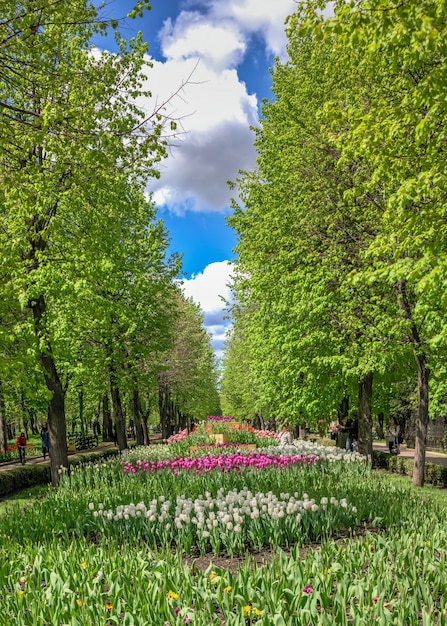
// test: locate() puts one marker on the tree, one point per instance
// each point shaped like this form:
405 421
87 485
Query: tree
69 130
188 381
395 120
316 336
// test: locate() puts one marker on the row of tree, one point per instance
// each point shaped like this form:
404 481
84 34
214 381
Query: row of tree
90 301
341 283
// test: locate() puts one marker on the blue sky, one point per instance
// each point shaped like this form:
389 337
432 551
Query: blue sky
229 46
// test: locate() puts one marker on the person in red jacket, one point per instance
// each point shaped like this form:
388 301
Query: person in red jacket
21 447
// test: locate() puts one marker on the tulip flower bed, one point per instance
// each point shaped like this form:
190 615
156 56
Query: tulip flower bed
182 442
149 540
224 462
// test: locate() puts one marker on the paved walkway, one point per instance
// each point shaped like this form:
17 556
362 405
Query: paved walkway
439 458
38 460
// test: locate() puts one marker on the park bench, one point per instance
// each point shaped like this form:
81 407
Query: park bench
80 442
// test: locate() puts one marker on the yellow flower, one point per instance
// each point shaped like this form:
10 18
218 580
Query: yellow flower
227 589
79 601
249 611
109 606
213 576
83 564
20 593
172 595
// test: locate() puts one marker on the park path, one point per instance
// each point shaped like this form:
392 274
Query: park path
38 459
439 458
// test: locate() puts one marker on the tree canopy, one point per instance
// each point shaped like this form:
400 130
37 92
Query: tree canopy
341 237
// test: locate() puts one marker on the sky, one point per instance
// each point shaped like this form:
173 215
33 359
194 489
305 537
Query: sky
211 63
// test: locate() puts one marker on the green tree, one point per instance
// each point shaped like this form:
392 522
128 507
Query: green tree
188 381
395 120
240 391
316 335
70 132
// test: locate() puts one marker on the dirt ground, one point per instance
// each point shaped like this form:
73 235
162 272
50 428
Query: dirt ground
263 557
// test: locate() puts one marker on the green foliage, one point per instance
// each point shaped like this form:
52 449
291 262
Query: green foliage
341 239
88 296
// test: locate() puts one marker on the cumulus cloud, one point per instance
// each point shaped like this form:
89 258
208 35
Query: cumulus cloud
196 177
210 288
263 17
219 44
203 47
214 141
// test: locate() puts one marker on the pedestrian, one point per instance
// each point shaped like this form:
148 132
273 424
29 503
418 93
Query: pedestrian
352 427
334 427
45 439
285 436
96 427
392 436
21 447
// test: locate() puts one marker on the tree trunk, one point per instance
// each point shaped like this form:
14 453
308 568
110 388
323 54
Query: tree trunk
182 420
342 414
107 424
422 416
3 430
57 429
379 425
364 417
118 415
163 407
24 414
343 410
137 413
421 423
172 416
145 419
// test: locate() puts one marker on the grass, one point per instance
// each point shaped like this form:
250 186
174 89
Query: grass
429 493
22 499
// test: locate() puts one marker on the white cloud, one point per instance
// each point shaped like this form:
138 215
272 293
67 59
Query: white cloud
214 109
207 290
214 141
219 44
198 86
209 287
264 17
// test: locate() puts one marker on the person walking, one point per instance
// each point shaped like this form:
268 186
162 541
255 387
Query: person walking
352 428
392 436
21 447
45 439
285 436
334 427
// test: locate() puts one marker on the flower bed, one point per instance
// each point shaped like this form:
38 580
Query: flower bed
64 560
237 518
223 462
